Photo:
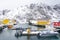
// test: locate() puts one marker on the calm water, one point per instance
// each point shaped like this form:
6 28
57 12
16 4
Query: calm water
9 35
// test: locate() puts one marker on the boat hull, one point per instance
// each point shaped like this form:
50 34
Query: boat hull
48 34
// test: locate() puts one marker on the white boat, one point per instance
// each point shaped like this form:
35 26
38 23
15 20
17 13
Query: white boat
47 33
43 33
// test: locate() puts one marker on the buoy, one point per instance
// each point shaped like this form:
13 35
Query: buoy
28 30
10 26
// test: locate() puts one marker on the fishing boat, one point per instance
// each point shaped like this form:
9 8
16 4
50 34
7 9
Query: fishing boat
39 23
41 33
46 33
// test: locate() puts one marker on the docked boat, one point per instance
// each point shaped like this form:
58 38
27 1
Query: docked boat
42 33
39 23
47 33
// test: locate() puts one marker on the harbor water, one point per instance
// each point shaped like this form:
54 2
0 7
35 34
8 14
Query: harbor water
7 34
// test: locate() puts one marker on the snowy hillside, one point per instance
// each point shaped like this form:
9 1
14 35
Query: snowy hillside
40 11
34 11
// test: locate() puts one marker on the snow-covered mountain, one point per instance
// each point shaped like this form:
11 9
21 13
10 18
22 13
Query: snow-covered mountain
35 11
38 11
41 11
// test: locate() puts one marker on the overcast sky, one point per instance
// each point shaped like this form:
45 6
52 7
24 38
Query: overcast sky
12 4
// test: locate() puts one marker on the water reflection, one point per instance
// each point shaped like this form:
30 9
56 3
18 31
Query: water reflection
44 38
36 38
